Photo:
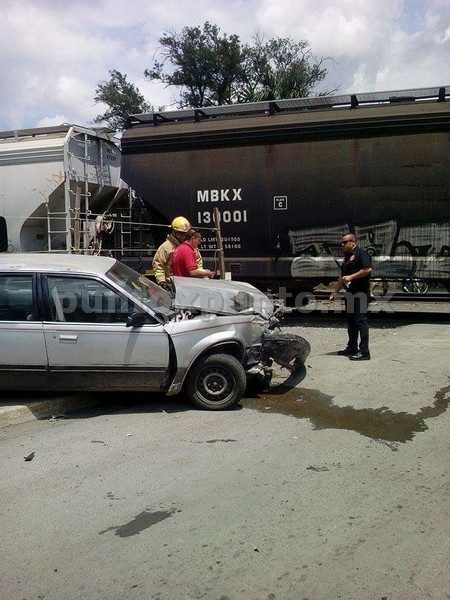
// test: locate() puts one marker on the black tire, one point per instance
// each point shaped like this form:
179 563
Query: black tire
216 382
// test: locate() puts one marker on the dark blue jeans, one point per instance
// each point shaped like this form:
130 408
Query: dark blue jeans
357 326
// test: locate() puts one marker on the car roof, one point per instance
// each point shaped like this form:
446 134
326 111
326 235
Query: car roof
48 262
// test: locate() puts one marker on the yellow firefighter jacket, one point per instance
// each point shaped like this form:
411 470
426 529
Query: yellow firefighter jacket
161 261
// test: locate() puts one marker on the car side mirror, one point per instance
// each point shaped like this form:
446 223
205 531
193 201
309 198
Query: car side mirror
136 319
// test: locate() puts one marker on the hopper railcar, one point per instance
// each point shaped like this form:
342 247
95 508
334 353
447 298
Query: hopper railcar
290 177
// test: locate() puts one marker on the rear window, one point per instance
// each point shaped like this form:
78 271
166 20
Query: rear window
16 298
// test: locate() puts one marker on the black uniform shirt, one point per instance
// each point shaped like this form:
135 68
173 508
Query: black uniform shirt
354 262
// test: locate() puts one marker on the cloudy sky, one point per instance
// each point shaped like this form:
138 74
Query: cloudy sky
53 53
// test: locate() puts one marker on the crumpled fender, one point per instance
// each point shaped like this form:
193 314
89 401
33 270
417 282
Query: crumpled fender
203 346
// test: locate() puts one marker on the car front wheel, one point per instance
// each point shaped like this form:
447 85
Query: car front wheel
216 382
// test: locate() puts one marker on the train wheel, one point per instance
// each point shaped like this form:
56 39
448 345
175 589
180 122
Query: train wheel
414 286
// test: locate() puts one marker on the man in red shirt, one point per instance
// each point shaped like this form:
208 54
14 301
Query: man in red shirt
184 261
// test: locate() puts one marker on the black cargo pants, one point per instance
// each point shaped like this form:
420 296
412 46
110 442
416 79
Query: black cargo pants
356 310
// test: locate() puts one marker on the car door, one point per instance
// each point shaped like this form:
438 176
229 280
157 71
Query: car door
89 345
23 357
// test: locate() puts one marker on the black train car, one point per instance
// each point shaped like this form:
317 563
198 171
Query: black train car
290 177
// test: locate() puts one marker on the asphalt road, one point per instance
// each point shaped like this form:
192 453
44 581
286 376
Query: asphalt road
333 485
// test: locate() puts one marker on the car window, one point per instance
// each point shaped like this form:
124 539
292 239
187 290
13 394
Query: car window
141 288
85 300
16 298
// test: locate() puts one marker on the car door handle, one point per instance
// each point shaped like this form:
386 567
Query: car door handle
70 339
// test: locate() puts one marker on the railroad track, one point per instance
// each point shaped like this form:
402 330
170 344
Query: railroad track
397 297
401 307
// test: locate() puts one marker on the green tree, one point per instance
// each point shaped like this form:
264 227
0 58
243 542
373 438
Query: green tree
203 64
122 99
212 69
280 68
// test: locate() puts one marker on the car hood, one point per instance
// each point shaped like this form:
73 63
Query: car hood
220 297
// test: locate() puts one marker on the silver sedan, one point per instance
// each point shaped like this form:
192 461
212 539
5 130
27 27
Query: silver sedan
74 322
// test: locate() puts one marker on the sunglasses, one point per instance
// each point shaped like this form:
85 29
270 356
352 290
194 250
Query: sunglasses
345 242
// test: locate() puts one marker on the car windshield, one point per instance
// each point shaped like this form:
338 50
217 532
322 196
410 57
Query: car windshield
140 287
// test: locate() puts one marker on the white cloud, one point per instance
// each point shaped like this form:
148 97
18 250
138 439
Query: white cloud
53 53
52 121
339 29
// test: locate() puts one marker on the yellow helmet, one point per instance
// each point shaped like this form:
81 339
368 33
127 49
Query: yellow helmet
181 224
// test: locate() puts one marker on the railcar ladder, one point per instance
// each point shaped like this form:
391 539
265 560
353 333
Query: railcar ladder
53 234
125 219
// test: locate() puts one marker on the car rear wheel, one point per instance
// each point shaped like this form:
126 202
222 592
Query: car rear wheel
216 382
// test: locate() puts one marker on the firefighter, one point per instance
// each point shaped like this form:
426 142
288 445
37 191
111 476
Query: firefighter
161 261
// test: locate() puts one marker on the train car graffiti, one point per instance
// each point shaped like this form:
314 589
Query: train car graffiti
420 252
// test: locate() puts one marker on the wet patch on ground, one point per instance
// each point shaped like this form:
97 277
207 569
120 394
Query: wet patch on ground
378 423
142 521
225 440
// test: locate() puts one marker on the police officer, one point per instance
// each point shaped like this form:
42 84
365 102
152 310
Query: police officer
161 261
355 278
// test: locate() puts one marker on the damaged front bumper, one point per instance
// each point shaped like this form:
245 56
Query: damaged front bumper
289 350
